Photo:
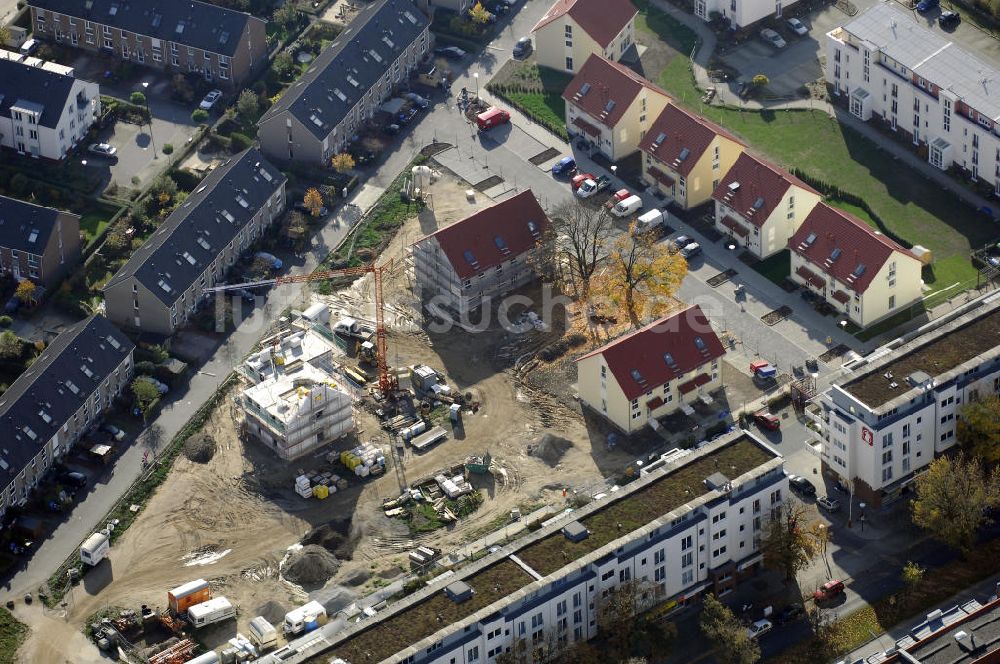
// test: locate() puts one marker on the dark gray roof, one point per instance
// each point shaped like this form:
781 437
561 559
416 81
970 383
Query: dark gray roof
26 227
54 388
196 24
348 68
200 228
34 86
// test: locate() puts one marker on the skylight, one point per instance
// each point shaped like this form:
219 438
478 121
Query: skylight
156 20
501 245
859 270
31 434
189 258
33 236
835 254
669 359
114 342
242 201
164 285
180 27
86 371
204 245
584 89
683 155
533 228
224 37
470 257
660 138
374 54
72 387
229 216
113 9
810 239
410 17
637 376
700 343
610 106
759 203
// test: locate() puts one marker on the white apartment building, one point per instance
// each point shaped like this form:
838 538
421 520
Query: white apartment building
897 409
885 65
44 109
297 411
287 353
741 13
546 591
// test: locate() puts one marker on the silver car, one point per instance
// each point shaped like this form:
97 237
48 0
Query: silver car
772 38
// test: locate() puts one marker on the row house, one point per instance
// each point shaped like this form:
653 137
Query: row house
760 206
859 272
342 90
488 254
652 372
57 401
611 106
895 411
45 111
741 14
37 243
885 65
684 156
695 527
163 284
223 46
573 31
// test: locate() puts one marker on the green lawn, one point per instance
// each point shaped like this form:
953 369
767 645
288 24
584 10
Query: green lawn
12 634
536 92
777 267
822 148
93 224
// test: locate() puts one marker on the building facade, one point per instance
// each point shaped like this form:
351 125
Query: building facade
897 409
684 156
163 283
45 111
741 13
611 107
860 273
37 243
574 30
761 206
342 90
483 256
652 372
61 397
223 46
546 591
884 66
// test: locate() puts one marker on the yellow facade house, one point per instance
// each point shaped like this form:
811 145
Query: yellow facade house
684 156
611 106
573 30
653 371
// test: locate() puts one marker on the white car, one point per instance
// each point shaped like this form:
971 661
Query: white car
759 628
797 26
827 503
209 101
102 149
772 38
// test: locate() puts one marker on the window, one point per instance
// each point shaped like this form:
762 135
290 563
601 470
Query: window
569 63
686 543
887 457
887 474
687 559
687 578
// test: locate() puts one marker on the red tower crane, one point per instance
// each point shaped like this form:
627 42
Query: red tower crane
387 382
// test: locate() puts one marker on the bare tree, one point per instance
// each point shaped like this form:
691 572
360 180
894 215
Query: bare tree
582 233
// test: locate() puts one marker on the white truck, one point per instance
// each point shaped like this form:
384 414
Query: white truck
214 610
95 549
305 618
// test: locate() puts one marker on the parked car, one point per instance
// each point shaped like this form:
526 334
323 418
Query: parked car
591 186
362 156
790 613
209 101
802 485
564 166
797 26
580 178
617 198
102 149
450 52
828 590
417 100
829 504
766 420
303 208
406 117
522 48
949 19
492 117
627 207
391 128
29 47
772 38
116 432
759 628
276 263
925 6
690 250
73 479
681 241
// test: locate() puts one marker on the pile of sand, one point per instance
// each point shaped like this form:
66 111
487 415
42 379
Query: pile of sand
272 611
311 566
336 536
549 448
199 448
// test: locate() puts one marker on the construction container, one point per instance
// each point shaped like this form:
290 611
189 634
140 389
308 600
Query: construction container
263 633
305 618
183 597
95 549
409 432
320 491
214 610
208 658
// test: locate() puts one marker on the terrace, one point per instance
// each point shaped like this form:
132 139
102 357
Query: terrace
935 358
645 505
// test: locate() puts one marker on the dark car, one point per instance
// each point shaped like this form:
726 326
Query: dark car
406 117
450 52
564 166
949 19
802 485
392 129
522 48
13 304
362 157
925 6
790 613
73 479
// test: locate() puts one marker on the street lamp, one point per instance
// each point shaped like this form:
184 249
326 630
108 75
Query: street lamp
861 518
145 95
475 75
614 170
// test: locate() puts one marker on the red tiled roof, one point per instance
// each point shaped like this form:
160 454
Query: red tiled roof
735 226
586 126
601 19
660 176
854 242
681 130
607 84
811 277
638 360
758 180
482 235
694 383
841 296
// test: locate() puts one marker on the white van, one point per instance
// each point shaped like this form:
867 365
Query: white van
630 205
649 221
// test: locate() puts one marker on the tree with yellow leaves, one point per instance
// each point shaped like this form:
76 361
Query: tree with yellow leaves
478 13
313 200
342 162
25 292
639 275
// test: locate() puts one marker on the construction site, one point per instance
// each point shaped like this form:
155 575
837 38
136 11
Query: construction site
357 450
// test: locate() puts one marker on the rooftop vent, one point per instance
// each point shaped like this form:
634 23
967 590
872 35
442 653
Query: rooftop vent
575 531
458 592
734 187
918 378
717 482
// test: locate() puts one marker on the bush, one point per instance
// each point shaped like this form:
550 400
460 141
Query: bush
5 321
145 367
185 179
239 142
168 148
199 116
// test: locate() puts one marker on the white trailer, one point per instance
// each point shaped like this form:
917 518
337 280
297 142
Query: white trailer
214 610
305 618
263 633
95 549
208 658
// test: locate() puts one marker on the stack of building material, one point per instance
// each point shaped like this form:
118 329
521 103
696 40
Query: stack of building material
453 487
303 486
409 432
364 460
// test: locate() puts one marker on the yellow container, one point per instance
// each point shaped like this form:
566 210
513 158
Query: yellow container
343 457
320 491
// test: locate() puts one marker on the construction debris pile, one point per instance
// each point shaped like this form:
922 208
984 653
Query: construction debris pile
549 449
435 502
310 566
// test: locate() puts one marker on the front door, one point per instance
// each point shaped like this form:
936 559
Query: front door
777 8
